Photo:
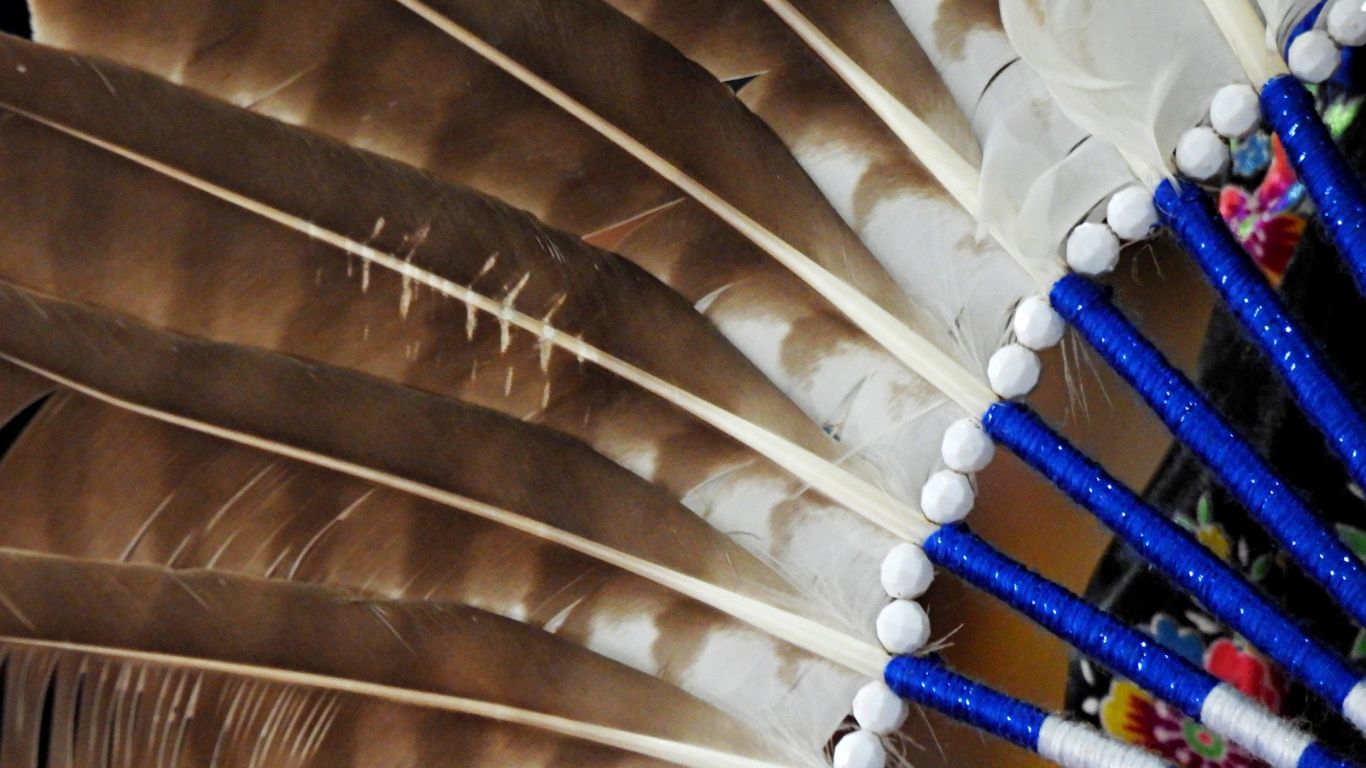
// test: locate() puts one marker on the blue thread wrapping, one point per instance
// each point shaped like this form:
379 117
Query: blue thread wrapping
1290 111
929 683
1170 548
1088 629
1248 296
1316 756
1194 421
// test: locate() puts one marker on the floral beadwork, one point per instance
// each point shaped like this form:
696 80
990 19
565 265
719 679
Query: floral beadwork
1264 219
1247 671
1137 717
1216 539
1131 714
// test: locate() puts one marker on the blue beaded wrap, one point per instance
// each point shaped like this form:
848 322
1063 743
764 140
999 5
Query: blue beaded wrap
1095 633
1316 756
1290 111
1191 418
929 683
1167 546
1248 296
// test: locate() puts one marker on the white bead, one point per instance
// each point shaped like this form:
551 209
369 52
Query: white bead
1314 57
1131 213
878 710
966 447
1201 154
1235 111
1013 371
906 572
1092 249
860 749
1347 22
903 627
1036 325
947 497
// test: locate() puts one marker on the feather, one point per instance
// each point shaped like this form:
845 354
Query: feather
592 320
1153 81
143 491
161 714
19 389
729 143
331 645
1041 173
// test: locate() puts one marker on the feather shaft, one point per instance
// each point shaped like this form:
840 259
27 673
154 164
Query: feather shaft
1247 36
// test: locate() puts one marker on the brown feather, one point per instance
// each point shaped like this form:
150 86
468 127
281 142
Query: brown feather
338 641
132 489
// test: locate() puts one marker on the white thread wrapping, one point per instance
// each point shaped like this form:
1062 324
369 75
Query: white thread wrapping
1228 712
1354 707
1080 746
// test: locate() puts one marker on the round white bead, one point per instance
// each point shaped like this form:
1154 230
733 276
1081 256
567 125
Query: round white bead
1037 326
1347 22
1235 111
906 572
1131 213
1201 154
860 749
1013 371
1092 249
947 497
878 710
966 447
1314 57
903 627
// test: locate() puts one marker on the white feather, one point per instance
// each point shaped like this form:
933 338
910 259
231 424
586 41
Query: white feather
1036 181
1136 75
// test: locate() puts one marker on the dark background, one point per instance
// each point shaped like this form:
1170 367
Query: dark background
14 19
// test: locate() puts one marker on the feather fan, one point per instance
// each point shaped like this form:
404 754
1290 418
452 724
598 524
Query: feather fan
530 382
